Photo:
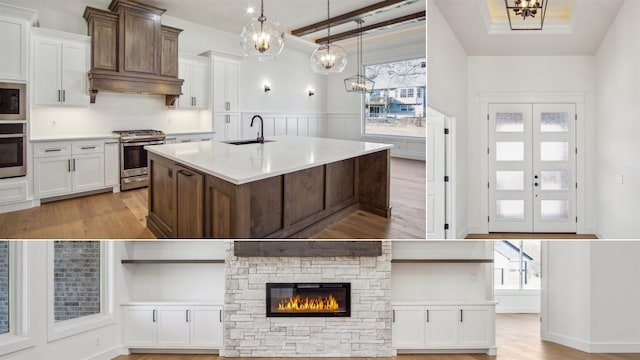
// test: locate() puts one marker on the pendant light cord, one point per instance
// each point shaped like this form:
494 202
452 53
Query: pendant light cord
328 26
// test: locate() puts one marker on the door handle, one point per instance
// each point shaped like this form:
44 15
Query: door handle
69 165
535 176
59 96
63 95
460 315
535 184
427 315
74 164
154 315
187 315
393 316
220 315
185 173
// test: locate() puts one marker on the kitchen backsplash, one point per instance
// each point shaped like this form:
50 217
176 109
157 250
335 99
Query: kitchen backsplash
114 111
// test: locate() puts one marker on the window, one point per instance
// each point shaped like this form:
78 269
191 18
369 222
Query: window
517 265
80 287
4 288
398 112
76 279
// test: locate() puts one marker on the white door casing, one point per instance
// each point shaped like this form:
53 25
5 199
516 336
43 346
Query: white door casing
435 178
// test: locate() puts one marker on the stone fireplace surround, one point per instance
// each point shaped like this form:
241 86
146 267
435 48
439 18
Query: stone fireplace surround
250 333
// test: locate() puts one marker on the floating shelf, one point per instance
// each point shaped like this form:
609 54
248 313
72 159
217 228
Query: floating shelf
442 261
174 261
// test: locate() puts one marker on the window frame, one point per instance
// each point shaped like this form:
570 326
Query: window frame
521 290
369 136
18 338
66 328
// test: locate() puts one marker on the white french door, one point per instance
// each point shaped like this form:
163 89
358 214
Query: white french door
532 168
435 177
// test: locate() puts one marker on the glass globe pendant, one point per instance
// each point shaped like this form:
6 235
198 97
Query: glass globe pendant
260 39
328 58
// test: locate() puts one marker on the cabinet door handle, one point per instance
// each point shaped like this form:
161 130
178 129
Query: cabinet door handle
220 315
74 164
393 316
154 315
187 316
185 173
427 315
64 95
111 143
69 165
170 173
89 147
460 315
52 150
59 96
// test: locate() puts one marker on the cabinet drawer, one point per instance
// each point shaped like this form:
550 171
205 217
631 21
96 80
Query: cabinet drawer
58 148
87 147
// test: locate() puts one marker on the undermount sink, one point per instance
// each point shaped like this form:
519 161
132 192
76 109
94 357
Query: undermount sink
245 142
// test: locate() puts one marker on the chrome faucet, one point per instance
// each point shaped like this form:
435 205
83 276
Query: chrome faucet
261 133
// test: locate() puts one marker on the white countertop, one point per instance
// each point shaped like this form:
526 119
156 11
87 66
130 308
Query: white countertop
240 164
78 137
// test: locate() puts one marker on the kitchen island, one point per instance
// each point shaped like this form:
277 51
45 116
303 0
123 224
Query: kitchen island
286 187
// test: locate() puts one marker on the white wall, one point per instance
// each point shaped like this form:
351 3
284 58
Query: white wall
447 92
566 293
544 74
617 128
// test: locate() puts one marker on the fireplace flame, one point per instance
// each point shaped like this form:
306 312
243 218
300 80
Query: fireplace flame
297 303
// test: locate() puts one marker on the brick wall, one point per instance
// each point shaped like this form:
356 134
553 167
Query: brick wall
249 333
4 287
76 279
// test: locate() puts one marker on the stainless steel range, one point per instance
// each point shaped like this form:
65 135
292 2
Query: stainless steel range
133 156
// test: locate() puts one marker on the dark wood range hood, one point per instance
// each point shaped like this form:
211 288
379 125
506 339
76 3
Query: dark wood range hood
132 52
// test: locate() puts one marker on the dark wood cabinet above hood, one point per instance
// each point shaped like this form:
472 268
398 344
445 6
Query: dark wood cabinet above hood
132 52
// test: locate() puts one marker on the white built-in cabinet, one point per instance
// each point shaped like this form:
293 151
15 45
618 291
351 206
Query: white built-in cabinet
187 138
443 327
14 26
226 97
183 326
60 67
66 167
194 70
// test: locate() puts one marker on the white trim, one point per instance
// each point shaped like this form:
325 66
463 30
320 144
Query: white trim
22 205
567 341
76 326
18 338
548 98
614 347
110 354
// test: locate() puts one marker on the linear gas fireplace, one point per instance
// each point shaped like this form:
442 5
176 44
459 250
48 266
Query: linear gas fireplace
309 299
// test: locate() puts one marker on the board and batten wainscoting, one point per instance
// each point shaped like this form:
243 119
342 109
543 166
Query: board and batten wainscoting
343 126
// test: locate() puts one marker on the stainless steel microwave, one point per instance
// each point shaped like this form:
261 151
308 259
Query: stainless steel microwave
13 98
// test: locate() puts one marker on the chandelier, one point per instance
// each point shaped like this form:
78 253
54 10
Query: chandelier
260 39
524 14
328 59
359 82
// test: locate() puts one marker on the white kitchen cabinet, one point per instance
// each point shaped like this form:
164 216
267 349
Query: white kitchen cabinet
62 168
173 139
60 67
195 89
227 126
139 325
408 327
182 326
444 327
226 84
13 57
112 163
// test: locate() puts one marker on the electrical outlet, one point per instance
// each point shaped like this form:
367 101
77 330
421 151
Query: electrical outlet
619 179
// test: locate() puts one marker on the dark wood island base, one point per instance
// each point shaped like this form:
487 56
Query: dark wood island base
185 203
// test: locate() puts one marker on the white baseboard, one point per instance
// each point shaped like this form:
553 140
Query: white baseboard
110 354
488 351
407 155
174 351
615 348
22 205
517 310
567 341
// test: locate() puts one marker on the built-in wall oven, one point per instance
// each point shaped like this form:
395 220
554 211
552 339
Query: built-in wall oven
13 99
13 152
133 157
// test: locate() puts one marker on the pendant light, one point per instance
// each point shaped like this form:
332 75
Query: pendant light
328 58
359 83
261 39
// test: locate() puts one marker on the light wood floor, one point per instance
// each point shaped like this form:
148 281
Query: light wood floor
122 215
530 236
517 338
